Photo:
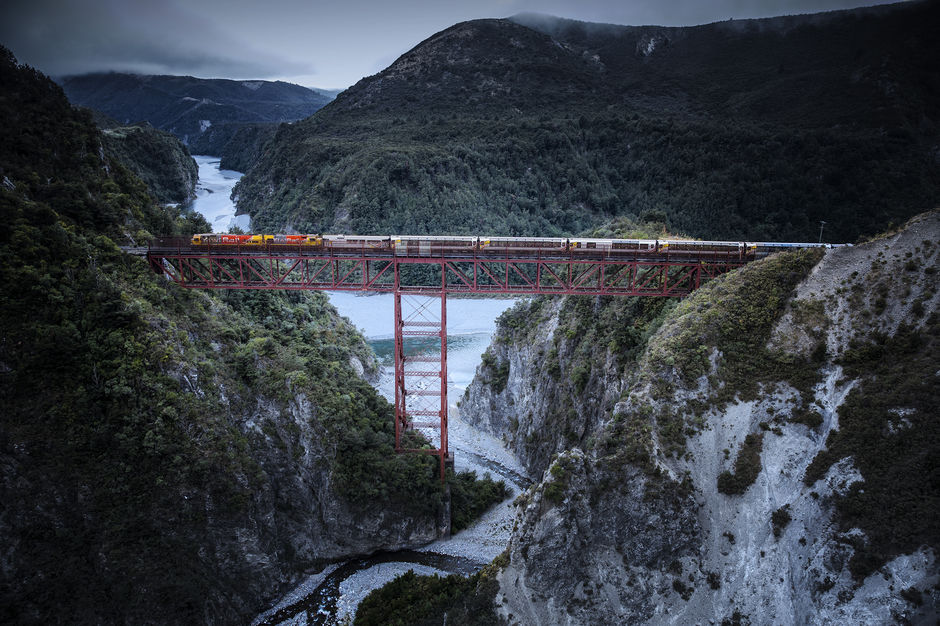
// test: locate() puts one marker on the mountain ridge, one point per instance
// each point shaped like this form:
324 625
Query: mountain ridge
188 106
490 126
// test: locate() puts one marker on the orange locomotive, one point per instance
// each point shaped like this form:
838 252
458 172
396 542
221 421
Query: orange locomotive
226 239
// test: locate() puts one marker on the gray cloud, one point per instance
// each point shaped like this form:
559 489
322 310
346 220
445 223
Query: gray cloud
677 12
324 43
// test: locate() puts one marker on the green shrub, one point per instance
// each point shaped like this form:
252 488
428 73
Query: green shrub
471 497
412 600
779 520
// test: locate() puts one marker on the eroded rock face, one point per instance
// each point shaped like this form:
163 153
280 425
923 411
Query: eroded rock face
538 403
622 531
590 543
302 509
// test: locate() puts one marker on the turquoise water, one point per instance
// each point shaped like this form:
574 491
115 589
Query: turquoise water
214 195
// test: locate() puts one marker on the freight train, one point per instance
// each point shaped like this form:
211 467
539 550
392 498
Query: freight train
456 245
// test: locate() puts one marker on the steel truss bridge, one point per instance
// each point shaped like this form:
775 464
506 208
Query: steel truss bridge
425 278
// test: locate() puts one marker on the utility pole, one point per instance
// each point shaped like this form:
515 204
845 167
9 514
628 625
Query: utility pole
822 225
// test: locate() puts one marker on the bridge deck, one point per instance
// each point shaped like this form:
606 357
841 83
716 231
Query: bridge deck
523 269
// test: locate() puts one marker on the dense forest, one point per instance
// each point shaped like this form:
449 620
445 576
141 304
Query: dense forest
757 129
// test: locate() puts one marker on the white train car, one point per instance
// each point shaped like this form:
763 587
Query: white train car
434 245
524 245
357 242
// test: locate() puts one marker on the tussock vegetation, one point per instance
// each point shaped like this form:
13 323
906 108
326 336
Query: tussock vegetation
733 316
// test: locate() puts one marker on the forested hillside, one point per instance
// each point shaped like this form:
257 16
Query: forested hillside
238 145
158 158
169 456
757 129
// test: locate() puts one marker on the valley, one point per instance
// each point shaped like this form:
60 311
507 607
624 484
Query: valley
762 450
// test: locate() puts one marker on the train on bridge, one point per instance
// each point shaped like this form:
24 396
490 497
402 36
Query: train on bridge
456 245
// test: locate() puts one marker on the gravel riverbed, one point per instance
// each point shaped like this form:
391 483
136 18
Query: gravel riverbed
333 595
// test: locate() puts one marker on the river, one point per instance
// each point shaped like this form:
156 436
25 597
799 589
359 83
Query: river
334 593
214 195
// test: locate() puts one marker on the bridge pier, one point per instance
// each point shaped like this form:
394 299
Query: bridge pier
420 375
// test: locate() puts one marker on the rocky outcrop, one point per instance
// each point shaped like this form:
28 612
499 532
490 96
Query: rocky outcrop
767 459
513 396
593 544
319 525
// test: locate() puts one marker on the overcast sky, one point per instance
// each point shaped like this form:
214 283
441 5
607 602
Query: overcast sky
326 44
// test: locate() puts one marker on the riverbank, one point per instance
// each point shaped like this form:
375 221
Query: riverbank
332 595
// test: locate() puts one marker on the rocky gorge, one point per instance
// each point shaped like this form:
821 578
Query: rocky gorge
762 451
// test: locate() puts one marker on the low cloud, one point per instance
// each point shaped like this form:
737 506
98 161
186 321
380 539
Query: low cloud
284 38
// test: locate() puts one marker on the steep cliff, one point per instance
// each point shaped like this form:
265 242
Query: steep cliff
769 456
555 370
168 456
